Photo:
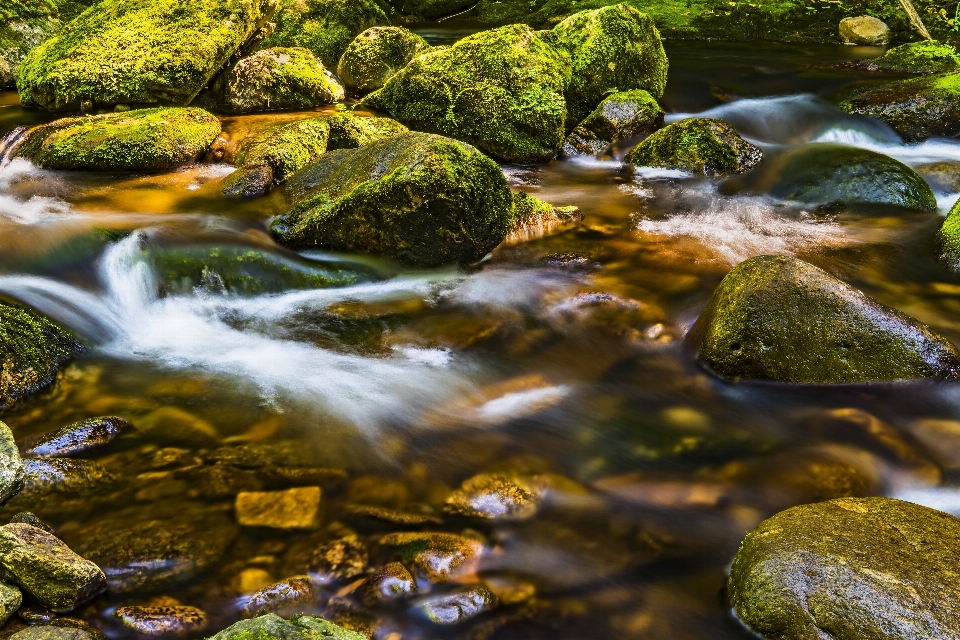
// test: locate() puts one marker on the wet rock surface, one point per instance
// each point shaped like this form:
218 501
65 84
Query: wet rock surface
162 620
273 627
620 116
10 601
697 145
495 497
287 595
59 630
459 607
437 556
79 438
389 582
864 30
44 477
11 465
297 508
376 55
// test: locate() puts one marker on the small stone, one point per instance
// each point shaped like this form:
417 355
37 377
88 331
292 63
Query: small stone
273 627
494 497
11 465
278 477
291 509
10 601
340 559
864 30
170 425
387 583
171 457
60 629
25 517
619 117
79 437
36 615
47 569
162 620
276 598
459 607
438 556
260 455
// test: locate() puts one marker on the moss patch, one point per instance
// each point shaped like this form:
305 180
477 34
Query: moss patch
26 23
926 56
376 55
619 117
698 145
949 238
348 131
273 627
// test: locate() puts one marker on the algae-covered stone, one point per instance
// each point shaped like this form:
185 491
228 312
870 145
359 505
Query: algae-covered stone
11 465
59 629
419 198
138 52
864 30
273 627
620 116
616 48
494 497
439 557
348 131
278 78
376 55
834 173
460 606
925 56
849 569
698 145
154 139
949 238
325 27
162 620
501 90
917 108
779 318
10 601
45 568
79 437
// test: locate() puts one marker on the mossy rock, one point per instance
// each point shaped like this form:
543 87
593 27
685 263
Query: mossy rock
10 600
138 52
11 465
834 173
849 569
926 56
917 108
781 319
65 476
948 238
278 78
325 27
437 557
348 131
145 139
431 9
420 198
613 49
376 55
698 145
501 90
32 350
272 627
620 116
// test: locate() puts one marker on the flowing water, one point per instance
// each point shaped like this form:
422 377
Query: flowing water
561 357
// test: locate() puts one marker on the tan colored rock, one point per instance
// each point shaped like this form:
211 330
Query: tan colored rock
162 620
864 30
291 509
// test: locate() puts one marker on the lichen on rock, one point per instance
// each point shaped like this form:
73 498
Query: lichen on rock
376 55
697 145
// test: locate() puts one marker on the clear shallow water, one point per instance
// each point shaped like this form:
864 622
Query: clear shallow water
562 356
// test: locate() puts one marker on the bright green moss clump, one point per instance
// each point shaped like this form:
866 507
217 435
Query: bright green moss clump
376 55
154 139
272 627
417 197
138 51
26 23
926 56
348 131
697 145
949 238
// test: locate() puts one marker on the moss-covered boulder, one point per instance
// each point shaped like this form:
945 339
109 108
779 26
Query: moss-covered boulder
698 145
616 48
948 238
145 139
348 131
272 627
420 198
833 173
782 319
620 116
917 108
849 569
10 600
501 90
926 56
278 78
325 27
11 465
275 154
376 55
138 52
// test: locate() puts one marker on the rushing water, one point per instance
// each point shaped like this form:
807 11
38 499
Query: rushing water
562 356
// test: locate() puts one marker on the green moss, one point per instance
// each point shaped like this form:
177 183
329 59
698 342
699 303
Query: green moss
138 51
154 139
926 56
949 238
325 27
376 55
779 318
501 90
348 131
273 627
698 145
529 210
25 24
420 198
286 148
613 49
620 116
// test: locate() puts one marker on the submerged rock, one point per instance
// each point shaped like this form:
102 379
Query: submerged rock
849 569
348 131
292 593
944 174
297 508
437 556
339 559
138 52
864 30
419 198
146 139
63 629
698 145
376 55
779 318
925 56
501 90
620 116
45 568
79 437
46 476
387 583
273 627
460 606
25 517
12 473
948 238
162 620
495 497
10 601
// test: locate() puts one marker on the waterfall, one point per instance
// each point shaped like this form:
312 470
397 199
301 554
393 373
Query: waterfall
11 143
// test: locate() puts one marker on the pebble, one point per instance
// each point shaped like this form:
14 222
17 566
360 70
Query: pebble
493 497
438 556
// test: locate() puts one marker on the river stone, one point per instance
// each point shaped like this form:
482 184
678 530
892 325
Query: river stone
47 569
292 593
419 198
273 627
697 145
389 582
162 620
615 48
849 569
275 154
25 517
46 476
493 497
11 465
864 30
259 455
620 116
460 606
779 318
138 52
340 559
59 630
500 90
439 557
348 131
376 55
297 508
145 139
278 78
834 173
10 601
948 238
79 437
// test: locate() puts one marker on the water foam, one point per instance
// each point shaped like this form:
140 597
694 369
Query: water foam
34 210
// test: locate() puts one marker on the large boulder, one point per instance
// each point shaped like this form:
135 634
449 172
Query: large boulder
376 55
325 27
917 108
501 90
417 197
24 25
138 52
697 145
850 569
348 131
145 139
779 318
619 117
278 78
949 238
864 30
272 627
11 465
612 49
